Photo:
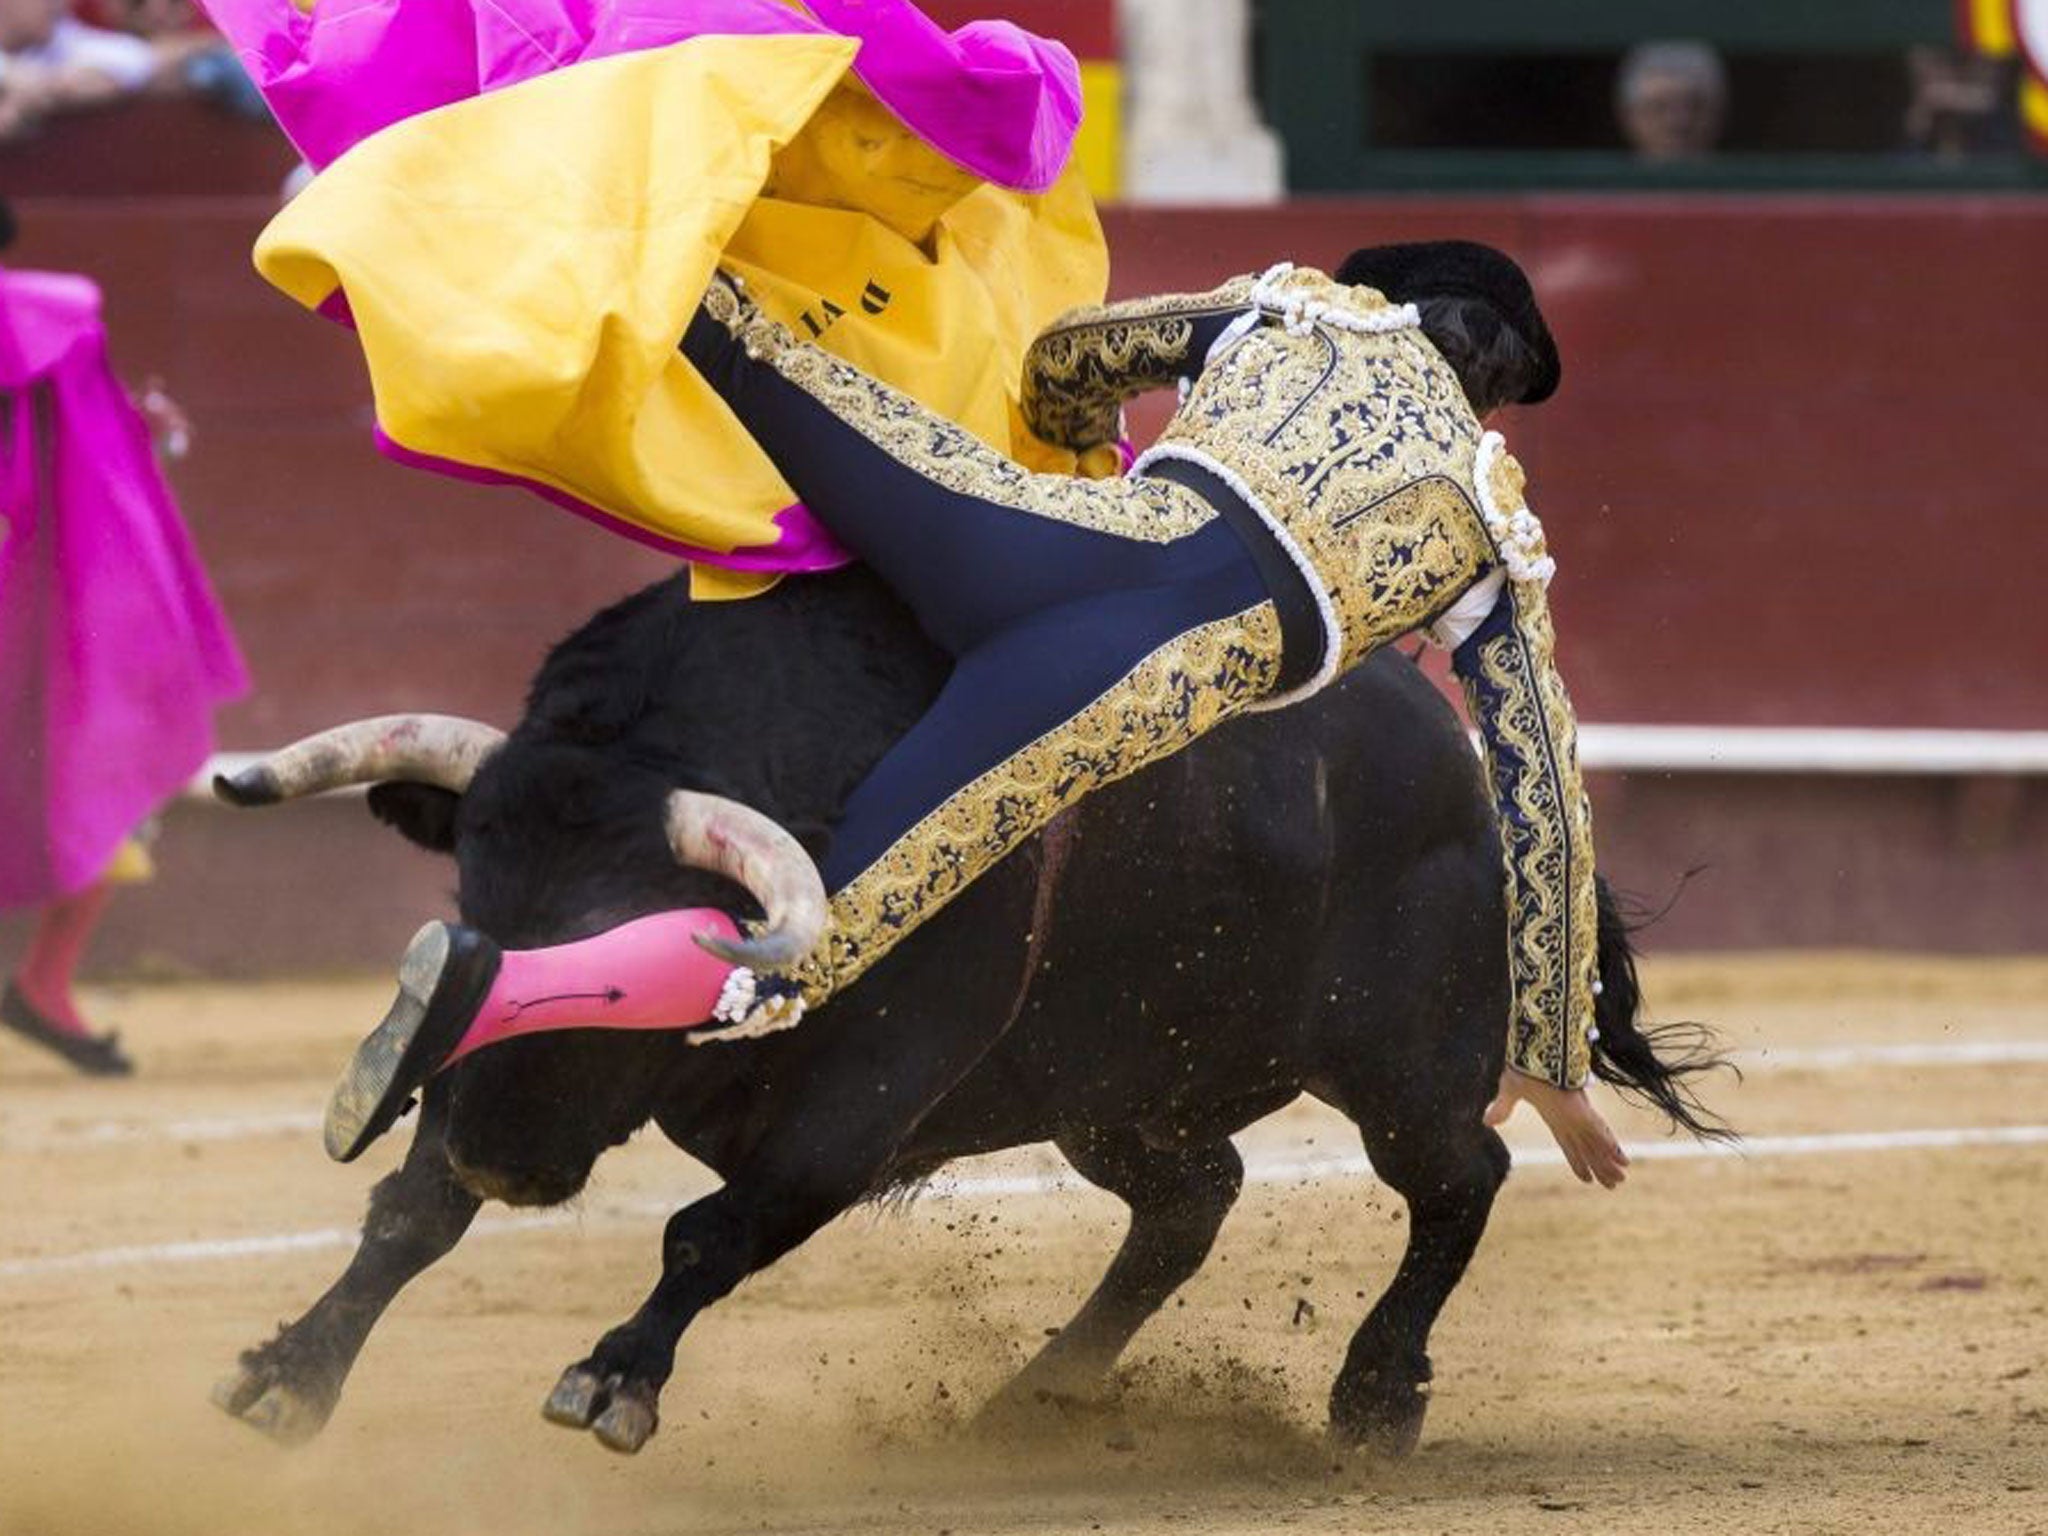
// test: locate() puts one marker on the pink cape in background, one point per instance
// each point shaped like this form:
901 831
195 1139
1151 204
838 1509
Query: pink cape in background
113 650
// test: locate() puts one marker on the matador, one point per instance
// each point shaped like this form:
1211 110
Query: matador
1325 487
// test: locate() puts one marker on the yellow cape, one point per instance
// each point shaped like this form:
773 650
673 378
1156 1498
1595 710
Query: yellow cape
521 266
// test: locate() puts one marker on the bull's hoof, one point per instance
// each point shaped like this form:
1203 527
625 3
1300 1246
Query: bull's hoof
1038 1398
629 1422
1379 1416
577 1399
269 1407
622 1414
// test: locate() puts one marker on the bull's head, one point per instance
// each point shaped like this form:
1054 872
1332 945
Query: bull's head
704 831
424 763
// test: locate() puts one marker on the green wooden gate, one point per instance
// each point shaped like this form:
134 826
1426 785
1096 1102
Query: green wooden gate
1318 60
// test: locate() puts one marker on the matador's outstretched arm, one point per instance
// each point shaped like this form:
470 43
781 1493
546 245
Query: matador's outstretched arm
1508 667
1546 828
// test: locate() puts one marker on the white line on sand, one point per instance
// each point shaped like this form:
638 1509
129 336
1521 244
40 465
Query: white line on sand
71 1137
1296 1170
1942 1053
1274 1171
64 1137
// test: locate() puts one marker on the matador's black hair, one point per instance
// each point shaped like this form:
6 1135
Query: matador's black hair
1462 269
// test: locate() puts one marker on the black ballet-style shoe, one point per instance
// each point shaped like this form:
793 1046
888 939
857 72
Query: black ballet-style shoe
94 1055
442 981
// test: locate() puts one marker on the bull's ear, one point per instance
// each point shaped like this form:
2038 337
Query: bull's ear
423 813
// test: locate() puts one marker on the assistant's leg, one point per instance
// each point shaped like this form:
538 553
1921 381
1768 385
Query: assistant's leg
49 969
39 1003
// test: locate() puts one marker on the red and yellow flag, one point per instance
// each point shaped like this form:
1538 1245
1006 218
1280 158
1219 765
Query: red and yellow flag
2001 29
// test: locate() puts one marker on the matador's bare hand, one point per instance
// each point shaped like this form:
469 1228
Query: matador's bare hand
1588 1144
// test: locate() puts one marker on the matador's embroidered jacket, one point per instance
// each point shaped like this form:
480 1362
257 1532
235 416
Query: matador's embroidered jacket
1327 409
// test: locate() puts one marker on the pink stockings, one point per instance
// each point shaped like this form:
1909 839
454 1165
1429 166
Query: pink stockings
647 974
62 933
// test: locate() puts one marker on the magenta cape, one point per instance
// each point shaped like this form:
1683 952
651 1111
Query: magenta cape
991 97
113 651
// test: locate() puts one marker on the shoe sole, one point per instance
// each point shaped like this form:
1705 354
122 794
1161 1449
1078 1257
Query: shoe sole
361 1108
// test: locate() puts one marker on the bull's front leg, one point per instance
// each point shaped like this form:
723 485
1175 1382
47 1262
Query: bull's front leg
288 1387
843 1104
707 1249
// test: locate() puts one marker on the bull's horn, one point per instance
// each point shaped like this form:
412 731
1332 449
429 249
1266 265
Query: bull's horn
710 832
425 749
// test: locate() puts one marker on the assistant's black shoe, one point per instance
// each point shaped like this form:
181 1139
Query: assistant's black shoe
442 981
94 1055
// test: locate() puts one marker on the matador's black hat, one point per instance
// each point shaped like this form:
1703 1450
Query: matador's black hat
1429 267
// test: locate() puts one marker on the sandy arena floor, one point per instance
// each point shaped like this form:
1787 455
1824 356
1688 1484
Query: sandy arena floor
1845 1330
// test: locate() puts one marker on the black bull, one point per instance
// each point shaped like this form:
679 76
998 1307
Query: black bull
1304 902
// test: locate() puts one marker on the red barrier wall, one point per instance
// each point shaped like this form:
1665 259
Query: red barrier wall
147 148
1794 475
1792 478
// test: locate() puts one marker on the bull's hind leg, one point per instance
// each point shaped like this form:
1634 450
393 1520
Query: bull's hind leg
1178 1198
1434 1152
288 1387
1415 1078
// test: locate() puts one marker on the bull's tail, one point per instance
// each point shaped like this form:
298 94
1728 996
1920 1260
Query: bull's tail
1652 1064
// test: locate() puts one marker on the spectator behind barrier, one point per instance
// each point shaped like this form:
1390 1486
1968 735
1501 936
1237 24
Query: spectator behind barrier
1960 104
1671 99
187 47
52 62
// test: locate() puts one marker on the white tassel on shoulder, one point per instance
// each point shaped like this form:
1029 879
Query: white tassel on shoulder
746 1013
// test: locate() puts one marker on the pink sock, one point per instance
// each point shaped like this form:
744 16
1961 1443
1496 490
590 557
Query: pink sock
61 935
646 974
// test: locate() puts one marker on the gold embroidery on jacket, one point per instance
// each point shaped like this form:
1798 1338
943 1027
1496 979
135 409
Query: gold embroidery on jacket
1362 444
1174 695
1088 362
1413 553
